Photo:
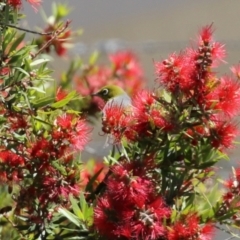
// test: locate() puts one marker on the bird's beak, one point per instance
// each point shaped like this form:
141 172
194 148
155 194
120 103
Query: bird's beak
94 94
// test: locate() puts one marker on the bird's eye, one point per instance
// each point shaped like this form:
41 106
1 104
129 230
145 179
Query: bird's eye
105 92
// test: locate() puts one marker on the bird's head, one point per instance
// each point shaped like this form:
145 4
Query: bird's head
108 92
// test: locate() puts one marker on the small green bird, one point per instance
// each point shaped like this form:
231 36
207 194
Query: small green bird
114 95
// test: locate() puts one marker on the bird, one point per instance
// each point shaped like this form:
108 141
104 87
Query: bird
114 95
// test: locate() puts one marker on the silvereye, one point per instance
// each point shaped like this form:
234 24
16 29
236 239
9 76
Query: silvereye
114 95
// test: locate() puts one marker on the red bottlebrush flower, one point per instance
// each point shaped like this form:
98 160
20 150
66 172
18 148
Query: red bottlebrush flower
61 94
4 71
175 73
17 121
226 97
15 3
11 159
142 101
59 43
93 81
125 65
205 35
209 52
80 137
65 121
142 214
207 232
218 53
114 219
117 121
228 197
236 71
147 114
189 228
222 134
160 122
105 217
233 187
133 190
237 174
3 177
127 69
35 4
42 149
112 115
150 223
150 220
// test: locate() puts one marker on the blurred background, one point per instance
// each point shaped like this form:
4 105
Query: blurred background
152 29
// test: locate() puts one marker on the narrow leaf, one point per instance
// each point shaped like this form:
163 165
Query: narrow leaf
71 217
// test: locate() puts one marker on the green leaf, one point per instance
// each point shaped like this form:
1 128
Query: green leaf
76 208
71 217
86 210
93 58
167 96
39 61
64 101
37 89
22 71
83 203
17 42
43 102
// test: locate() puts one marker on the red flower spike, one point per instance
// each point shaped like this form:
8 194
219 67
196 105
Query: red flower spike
65 121
11 159
105 218
160 122
15 3
17 121
61 94
205 35
236 71
175 73
35 4
223 134
207 232
112 115
117 121
59 43
228 97
125 65
93 81
113 219
132 191
218 53
41 149
189 228
120 172
4 71
146 232
209 52
80 137
143 100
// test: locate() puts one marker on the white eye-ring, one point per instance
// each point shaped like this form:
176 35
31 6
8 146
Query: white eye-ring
105 92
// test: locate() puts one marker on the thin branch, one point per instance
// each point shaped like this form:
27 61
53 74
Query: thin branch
54 36
25 30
